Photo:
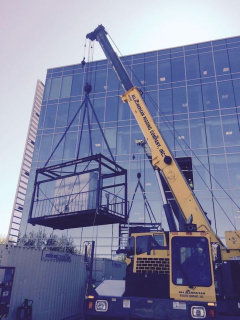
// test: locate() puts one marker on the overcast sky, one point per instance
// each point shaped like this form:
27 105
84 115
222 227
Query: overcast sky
37 35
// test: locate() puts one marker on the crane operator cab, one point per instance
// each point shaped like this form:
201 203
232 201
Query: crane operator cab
177 264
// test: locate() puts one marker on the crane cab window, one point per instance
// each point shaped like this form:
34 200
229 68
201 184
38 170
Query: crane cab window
159 239
141 244
191 262
131 247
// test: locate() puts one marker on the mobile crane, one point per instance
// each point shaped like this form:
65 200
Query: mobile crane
186 274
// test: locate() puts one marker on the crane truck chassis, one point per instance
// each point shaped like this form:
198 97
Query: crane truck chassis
181 274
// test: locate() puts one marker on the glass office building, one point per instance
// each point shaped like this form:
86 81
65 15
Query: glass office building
196 95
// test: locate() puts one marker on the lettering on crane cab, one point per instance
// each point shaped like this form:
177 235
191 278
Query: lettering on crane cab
148 125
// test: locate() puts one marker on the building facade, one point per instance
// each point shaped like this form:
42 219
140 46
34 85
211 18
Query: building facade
195 90
19 200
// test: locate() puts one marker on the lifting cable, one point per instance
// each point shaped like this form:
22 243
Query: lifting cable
146 203
168 123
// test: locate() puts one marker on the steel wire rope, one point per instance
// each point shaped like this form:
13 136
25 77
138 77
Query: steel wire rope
175 131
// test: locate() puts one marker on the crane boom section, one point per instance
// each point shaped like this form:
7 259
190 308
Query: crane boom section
181 190
161 154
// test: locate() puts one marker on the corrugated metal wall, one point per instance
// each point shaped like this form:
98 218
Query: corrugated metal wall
56 288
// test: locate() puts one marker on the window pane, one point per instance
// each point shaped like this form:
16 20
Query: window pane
234 57
74 106
236 86
165 101
50 116
151 100
198 134
150 73
42 117
221 62
210 96
218 169
77 84
66 87
164 71
231 130
111 109
181 135
36 148
55 88
234 169
138 74
113 82
200 174
192 67
46 145
179 100
62 115
178 72
226 97
97 141
123 110
195 99
206 65
168 135
214 132
100 81
99 106
46 89
70 145
58 154
123 140
110 135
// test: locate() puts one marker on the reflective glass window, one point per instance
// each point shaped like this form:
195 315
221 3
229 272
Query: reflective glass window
234 57
210 100
221 62
136 134
74 106
46 89
234 169
84 145
150 73
192 67
55 88
226 97
236 86
141 244
201 176
97 141
46 145
77 84
123 140
206 65
198 134
58 154
166 101
214 132
179 100
138 74
66 87
62 115
178 71
123 110
112 81
99 107
100 81
70 145
50 116
42 117
36 148
218 169
111 109
111 137
164 71
195 102
181 135
231 131
168 134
